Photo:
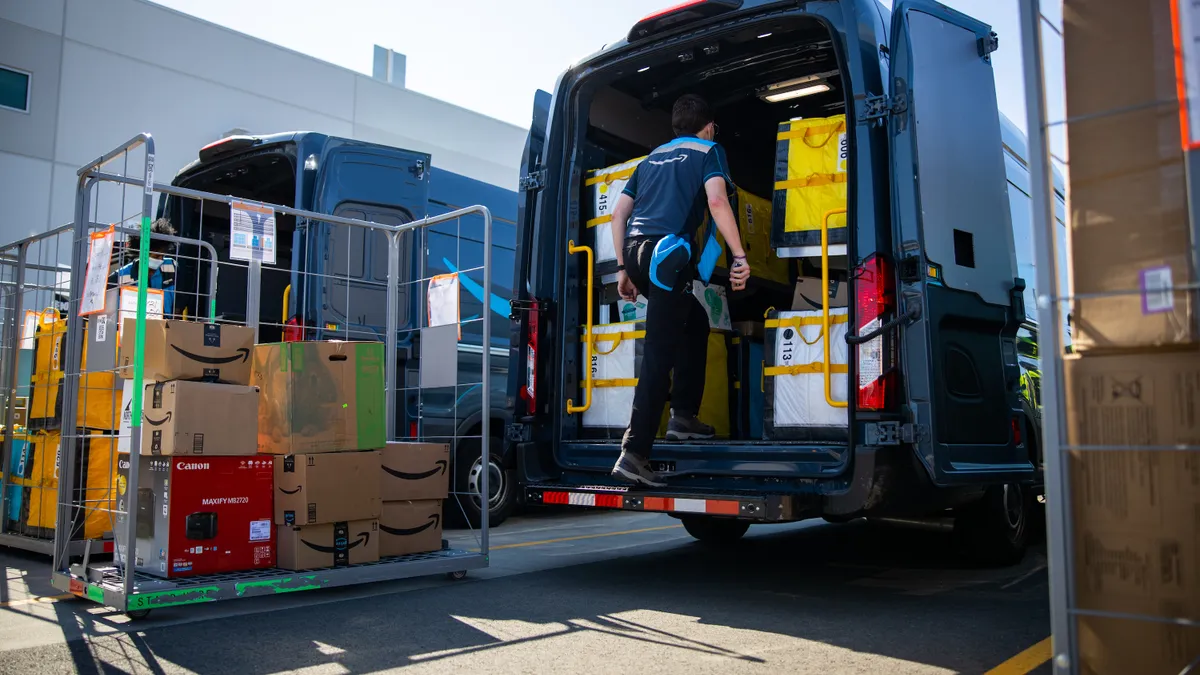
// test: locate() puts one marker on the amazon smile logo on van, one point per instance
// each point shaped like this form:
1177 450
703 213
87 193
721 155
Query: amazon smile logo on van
439 469
434 519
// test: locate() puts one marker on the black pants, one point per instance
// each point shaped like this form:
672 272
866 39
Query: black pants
676 339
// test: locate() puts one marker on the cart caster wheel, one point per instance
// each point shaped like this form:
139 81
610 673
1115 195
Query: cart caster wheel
457 576
138 614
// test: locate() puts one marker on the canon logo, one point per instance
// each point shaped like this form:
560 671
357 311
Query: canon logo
192 466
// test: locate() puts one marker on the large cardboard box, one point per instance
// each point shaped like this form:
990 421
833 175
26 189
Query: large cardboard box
410 527
412 471
810 294
190 350
1136 512
199 515
1124 646
106 330
326 488
320 397
1129 222
199 418
328 545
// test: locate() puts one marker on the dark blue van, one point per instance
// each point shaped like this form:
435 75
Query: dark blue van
330 282
938 424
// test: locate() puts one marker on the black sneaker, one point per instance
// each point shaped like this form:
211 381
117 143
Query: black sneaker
635 470
682 428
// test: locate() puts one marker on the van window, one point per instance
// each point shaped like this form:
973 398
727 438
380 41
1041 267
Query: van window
357 293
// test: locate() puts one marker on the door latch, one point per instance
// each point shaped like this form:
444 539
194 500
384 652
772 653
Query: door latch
534 180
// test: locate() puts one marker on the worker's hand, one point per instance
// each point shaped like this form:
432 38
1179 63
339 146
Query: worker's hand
625 287
739 274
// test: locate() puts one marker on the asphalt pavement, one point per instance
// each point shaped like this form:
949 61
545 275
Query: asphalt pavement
584 592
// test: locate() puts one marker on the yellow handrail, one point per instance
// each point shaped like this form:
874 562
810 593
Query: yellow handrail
287 294
587 331
825 307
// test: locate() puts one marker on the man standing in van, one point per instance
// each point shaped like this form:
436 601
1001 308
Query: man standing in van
654 225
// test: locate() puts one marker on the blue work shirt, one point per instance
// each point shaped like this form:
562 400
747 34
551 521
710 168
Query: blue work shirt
668 187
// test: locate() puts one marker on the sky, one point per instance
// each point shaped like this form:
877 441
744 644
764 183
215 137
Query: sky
492 56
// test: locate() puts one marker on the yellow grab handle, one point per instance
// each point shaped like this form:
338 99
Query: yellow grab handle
587 328
825 307
287 294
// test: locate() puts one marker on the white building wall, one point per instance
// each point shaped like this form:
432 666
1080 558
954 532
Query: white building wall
105 70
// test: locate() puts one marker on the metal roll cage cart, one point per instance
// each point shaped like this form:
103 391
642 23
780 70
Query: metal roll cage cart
135 593
1064 610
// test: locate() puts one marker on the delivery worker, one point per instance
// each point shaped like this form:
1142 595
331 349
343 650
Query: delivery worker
654 224
162 266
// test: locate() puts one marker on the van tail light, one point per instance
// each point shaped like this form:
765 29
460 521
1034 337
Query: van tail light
679 14
412 429
529 391
293 330
1016 429
875 299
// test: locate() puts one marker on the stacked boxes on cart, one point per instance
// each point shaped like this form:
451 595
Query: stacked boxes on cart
1133 383
765 376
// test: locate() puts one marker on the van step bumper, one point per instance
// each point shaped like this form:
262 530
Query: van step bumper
762 508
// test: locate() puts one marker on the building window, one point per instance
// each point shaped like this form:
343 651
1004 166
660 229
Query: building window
14 89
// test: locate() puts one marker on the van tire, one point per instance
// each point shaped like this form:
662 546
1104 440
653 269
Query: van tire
463 508
714 531
995 531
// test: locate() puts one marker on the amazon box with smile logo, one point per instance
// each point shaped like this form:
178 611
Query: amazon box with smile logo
413 471
326 488
410 527
199 418
189 350
339 544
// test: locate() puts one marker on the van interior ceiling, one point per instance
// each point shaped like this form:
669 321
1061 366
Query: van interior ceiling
269 177
756 77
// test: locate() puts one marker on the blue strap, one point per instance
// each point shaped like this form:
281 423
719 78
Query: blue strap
709 254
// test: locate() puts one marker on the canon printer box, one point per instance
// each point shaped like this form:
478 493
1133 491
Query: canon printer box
199 515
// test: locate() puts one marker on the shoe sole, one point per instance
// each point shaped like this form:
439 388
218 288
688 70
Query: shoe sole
635 478
685 436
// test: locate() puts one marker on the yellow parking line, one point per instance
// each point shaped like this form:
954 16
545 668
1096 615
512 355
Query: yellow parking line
523 544
1026 661
37 600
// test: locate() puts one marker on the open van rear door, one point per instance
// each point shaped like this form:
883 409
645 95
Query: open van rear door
955 257
523 350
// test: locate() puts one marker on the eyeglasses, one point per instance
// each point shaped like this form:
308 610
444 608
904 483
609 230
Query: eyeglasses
716 129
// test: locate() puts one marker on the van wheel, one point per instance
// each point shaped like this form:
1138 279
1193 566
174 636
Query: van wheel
468 478
995 530
714 531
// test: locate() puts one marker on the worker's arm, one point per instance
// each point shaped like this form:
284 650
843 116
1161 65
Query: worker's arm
722 215
620 218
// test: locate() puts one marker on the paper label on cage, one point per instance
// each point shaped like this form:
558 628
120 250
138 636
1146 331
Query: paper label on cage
251 232
843 148
101 328
96 280
128 302
260 530
29 329
1157 290
443 300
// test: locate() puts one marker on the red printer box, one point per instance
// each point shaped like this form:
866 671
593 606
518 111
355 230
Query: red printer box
200 515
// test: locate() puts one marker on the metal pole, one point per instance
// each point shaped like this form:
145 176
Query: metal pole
13 339
485 501
1191 164
254 281
1050 347
393 326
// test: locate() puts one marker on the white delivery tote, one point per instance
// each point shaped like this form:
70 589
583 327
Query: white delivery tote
797 401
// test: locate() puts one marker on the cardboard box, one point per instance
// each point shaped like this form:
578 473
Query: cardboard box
1124 646
105 330
320 397
410 527
190 350
1129 220
199 418
326 488
328 545
412 471
199 515
810 294
1136 512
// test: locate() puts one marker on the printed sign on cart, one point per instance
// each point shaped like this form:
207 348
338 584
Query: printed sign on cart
96 280
251 232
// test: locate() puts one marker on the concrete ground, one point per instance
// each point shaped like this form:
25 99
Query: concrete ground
583 592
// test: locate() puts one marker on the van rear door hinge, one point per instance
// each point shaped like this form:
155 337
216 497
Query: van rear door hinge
879 107
893 433
535 180
988 44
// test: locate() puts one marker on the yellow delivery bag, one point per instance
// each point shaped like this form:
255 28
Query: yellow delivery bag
811 167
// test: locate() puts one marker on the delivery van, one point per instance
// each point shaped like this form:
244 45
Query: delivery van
876 364
330 281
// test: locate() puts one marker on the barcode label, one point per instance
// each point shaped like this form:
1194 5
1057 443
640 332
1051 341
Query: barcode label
101 328
1157 290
